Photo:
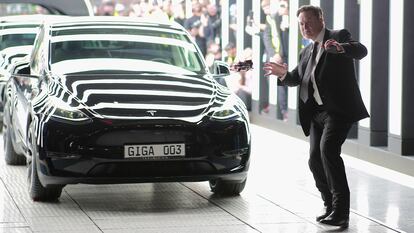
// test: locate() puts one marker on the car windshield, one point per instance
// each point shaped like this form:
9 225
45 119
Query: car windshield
127 48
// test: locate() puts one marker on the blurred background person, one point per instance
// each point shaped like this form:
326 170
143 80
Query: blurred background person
231 52
197 12
213 54
107 8
195 29
275 41
213 23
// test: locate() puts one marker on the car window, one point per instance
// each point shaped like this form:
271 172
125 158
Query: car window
17 35
12 40
22 8
166 46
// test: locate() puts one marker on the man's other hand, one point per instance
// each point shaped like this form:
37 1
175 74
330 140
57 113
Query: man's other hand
272 68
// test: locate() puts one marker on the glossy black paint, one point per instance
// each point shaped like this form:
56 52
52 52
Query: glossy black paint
108 110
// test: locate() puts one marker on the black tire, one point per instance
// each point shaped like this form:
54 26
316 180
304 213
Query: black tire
10 156
227 188
36 190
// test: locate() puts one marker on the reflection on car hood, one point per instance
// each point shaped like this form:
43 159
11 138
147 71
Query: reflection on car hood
113 64
145 96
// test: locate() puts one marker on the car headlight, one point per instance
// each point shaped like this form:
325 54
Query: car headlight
224 114
65 111
228 110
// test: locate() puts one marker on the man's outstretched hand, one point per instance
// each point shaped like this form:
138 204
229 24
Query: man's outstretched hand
332 46
242 66
272 68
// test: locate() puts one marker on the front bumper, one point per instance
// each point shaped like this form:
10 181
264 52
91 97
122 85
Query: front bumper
94 152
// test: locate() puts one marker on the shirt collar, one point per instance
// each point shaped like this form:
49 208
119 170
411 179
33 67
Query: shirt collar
320 36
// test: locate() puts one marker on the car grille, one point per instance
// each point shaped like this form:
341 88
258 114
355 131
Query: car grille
108 141
152 169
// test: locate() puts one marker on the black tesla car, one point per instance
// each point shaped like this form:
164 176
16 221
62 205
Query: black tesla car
113 100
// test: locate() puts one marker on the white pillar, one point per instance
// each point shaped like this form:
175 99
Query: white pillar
225 14
257 57
315 2
293 49
240 27
365 64
188 9
395 65
339 14
273 79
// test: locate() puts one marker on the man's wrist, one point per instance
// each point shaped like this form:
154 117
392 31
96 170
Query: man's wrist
281 78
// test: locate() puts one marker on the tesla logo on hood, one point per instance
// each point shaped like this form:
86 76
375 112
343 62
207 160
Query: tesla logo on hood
152 112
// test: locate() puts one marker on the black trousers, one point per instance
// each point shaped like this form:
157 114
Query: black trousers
327 134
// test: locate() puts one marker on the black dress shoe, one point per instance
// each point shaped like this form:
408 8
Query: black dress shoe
325 213
336 218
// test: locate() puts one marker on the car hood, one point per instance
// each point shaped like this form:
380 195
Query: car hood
145 96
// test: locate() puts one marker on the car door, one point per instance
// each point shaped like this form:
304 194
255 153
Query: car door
23 86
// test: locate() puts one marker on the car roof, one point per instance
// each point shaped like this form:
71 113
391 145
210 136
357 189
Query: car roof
110 20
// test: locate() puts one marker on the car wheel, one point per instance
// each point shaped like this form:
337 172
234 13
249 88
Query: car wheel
11 157
227 188
36 190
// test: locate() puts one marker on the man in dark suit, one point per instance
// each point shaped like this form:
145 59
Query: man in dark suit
330 101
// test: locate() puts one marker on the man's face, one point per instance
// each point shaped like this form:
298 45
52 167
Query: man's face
310 25
212 10
266 9
231 52
283 8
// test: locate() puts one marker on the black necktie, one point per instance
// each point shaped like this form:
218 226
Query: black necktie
304 91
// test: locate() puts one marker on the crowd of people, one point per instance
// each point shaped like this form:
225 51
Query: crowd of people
204 25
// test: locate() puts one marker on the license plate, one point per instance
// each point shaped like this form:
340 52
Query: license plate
154 150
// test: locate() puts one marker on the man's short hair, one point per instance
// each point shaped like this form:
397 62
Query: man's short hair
265 3
229 46
315 10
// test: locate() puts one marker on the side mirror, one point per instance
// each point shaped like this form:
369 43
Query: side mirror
23 70
21 67
221 68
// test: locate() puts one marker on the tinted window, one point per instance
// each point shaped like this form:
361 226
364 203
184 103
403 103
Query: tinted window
156 46
11 40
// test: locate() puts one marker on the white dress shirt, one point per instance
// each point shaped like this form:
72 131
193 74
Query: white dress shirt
320 50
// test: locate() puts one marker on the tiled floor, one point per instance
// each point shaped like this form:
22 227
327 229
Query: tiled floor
279 197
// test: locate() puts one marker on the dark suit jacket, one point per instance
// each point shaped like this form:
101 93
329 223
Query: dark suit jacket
336 80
